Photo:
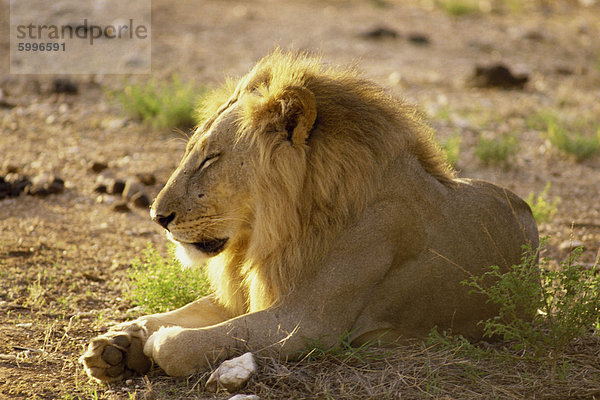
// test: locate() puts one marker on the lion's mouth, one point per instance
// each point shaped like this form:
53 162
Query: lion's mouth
211 246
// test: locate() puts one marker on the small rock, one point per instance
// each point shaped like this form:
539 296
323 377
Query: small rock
110 185
245 397
570 245
498 76
63 108
121 207
535 36
56 186
564 70
140 200
116 187
44 184
232 374
419 39
6 104
38 191
5 188
131 188
3 102
101 188
379 33
146 178
105 199
10 168
114 124
64 85
18 184
98 166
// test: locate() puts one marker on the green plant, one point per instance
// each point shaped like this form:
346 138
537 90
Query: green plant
543 209
343 350
457 343
37 291
459 8
169 104
379 3
541 119
496 151
541 310
576 144
159 285
452 148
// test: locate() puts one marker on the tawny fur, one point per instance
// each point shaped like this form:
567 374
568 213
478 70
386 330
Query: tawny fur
303 198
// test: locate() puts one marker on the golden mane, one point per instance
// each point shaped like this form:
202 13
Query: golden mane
305 193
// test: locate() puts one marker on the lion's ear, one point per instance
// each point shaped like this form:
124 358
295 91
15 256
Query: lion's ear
297 113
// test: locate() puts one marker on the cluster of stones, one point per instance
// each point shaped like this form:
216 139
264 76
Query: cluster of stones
130 190
13 184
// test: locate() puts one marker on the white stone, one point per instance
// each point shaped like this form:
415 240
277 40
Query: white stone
63 108
245 397
233 374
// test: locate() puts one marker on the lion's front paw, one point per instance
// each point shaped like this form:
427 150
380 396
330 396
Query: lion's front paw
173 352
117 354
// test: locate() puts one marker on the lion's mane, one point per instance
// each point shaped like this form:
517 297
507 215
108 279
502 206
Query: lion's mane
304 194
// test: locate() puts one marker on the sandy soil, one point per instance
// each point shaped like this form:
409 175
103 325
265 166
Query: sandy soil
64 258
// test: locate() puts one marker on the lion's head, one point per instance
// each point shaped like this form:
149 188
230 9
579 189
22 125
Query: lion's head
284 160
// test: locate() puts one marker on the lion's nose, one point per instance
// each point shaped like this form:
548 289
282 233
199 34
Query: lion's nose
164 221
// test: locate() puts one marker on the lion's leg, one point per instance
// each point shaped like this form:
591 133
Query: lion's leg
118 353
198 314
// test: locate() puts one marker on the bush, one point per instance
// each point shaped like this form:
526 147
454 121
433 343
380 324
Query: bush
162 105
576 144
543 210
459 7
452 148
496 151
160 285
541 311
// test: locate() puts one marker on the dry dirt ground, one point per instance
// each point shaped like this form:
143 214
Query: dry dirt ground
64 258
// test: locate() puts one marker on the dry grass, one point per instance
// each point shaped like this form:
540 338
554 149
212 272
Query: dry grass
442 370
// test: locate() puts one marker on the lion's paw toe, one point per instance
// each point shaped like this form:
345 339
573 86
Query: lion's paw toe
116 355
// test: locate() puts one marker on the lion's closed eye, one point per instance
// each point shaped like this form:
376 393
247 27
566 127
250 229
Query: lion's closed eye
208 161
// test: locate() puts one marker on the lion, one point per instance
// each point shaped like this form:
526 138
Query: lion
324 207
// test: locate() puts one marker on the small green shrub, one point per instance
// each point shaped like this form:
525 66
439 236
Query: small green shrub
169 104
160 285
496 151
541 311
543 209
576 144
452 148
343 350
379 3
459 8
541 119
